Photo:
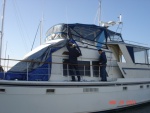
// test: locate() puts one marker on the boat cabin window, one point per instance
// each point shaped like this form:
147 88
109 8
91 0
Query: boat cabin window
116 37
83 66
96 68
122 59
138 55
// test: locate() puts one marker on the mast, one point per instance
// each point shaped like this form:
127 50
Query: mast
41 30
99 14
2 27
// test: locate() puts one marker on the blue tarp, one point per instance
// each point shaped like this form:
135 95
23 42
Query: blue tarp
1 75
100 40
41 73
40 70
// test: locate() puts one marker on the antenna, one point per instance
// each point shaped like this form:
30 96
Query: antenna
120 18
120 24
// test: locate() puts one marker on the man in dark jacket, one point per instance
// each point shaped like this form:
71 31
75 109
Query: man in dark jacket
103 63
73 63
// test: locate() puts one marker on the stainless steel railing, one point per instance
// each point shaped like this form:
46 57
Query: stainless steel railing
84 69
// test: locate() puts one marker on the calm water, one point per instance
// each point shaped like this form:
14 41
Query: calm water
144 108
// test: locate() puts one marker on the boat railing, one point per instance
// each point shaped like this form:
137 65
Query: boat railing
137 43
84 69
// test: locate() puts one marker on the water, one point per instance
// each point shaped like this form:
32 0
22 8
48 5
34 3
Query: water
144 108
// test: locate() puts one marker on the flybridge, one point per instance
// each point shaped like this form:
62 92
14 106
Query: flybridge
79 32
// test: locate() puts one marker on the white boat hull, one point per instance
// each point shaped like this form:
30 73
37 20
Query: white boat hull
77 97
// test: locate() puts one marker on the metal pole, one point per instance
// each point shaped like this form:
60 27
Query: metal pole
7 63
27 71
84 70
5 56
41 30
67 72
49 71
2 27
99 70
99 14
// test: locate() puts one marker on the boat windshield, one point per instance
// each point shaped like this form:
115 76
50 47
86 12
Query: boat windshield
55 36
56 32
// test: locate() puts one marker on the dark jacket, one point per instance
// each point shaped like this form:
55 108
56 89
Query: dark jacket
102 58
73 54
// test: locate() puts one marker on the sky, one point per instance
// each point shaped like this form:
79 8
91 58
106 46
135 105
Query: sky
22 18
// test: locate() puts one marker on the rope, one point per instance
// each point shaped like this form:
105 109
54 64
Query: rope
35 35
19 25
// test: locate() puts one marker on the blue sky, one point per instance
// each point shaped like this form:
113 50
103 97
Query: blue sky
22 18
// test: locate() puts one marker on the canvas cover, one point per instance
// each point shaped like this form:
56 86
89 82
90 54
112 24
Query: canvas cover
86 32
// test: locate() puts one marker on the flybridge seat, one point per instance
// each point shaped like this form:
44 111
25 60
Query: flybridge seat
57 37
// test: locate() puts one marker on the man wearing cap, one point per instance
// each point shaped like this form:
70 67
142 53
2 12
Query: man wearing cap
102 62
73 54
